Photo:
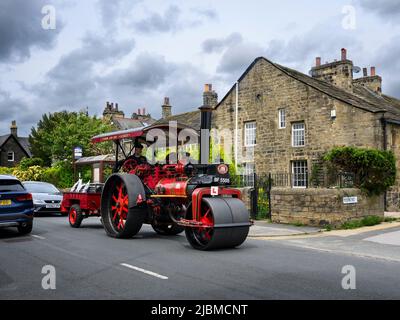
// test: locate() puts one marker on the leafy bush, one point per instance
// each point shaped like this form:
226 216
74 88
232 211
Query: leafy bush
25 163
65 174
33 173
374 170
6 170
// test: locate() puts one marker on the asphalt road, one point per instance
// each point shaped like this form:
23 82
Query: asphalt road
90 265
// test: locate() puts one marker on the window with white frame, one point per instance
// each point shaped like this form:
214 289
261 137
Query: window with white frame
299 174
250 134
249 173
10 156
298 134
282 118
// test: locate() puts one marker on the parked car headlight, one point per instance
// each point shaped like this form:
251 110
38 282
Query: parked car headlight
38 202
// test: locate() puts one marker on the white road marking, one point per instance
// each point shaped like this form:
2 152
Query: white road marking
38 237
151 273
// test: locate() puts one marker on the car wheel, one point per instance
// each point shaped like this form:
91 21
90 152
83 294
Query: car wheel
25 229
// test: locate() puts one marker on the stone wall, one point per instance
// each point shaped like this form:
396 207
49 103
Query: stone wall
319 207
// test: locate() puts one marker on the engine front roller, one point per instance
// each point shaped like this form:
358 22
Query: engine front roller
121 215
224 223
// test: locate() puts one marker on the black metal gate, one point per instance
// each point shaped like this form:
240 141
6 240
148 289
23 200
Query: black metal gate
261 197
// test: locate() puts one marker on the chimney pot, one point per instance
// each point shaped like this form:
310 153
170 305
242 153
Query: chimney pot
138 111
208 87
318 61
373 71
344 54
166 101
144 111
365 72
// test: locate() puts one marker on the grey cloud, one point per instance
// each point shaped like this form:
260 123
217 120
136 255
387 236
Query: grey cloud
218 45
238 57
147 71
74 80
387 9
148 80
14 109
388 66
112 11
208 13
173 20
169 21
94 50
323 40
21 29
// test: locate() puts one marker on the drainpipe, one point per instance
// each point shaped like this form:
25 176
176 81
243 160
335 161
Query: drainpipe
384 129
236 124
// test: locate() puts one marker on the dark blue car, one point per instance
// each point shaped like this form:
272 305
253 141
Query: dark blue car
16 206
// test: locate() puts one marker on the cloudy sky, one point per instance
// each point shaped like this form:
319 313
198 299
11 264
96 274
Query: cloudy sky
135 52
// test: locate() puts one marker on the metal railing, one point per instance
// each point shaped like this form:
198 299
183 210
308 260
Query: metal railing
262 184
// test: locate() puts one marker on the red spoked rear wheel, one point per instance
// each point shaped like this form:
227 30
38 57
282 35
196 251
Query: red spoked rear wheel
121 215
119 206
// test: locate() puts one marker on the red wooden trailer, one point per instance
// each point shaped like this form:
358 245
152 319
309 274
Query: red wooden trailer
80 206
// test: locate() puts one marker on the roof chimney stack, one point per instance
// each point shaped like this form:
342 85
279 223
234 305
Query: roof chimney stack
339 72
210 97
166 108
372 82
14 128
344 54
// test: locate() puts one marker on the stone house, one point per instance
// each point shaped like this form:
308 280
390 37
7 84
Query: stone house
286 120
13 148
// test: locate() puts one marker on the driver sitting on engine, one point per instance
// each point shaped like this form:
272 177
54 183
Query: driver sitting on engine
136 157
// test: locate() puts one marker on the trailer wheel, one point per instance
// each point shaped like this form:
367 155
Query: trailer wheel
226 224
121 215
168 230
75 216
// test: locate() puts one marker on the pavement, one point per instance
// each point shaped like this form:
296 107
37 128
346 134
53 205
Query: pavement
267 229
91 265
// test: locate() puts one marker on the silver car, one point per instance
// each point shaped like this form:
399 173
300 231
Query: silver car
46 197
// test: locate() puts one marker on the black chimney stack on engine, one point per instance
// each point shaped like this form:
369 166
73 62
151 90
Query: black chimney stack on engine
205 127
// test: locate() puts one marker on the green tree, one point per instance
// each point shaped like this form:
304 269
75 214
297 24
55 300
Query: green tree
58 133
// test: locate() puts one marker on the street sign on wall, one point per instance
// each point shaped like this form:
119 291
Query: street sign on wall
350 200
